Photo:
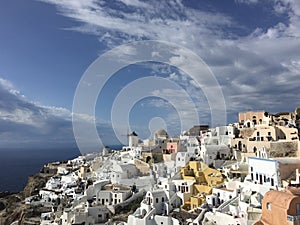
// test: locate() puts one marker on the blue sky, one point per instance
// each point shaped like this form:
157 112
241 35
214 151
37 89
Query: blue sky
251 47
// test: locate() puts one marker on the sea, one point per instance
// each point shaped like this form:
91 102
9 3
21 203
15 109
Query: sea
16 165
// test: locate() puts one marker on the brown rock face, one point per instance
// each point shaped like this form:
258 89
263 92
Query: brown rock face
34 183
12 206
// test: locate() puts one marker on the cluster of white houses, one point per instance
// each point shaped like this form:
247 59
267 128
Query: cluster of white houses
205 176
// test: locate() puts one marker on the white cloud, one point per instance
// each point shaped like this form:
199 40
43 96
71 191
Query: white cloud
36 125
258 70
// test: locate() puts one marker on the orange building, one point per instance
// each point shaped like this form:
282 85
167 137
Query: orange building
281 207
250 119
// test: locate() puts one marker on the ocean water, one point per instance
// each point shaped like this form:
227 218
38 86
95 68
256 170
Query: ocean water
17 164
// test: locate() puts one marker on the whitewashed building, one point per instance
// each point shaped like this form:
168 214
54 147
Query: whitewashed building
112 195
123 171
210 153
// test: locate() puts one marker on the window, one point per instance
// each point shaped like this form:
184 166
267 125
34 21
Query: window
269 206
257 133
156 200
162 199
298 209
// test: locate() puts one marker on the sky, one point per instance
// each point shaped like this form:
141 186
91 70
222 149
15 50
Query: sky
249 48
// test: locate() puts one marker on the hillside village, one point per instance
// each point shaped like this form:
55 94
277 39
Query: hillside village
245 173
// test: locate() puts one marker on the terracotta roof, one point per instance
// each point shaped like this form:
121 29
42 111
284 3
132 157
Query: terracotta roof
279 198
293 191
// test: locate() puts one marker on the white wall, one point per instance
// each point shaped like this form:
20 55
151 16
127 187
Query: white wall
263 171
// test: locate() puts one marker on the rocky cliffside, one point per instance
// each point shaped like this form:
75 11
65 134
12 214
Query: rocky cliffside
34 183
13 207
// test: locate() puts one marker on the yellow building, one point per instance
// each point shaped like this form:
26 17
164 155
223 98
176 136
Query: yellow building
85 171
205 179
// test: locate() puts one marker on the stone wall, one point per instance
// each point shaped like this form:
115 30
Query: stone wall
284 149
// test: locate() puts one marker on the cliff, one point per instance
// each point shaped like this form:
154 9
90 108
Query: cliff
13 207
35 183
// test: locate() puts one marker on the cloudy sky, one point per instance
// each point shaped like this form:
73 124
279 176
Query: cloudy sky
250 47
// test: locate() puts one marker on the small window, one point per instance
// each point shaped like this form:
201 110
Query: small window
269 206
156 200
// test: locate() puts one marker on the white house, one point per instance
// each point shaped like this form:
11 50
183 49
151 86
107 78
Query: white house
84 214
164 169
156 206
221 195
112 195
184 189
182 158
264 171
210 153
123 171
